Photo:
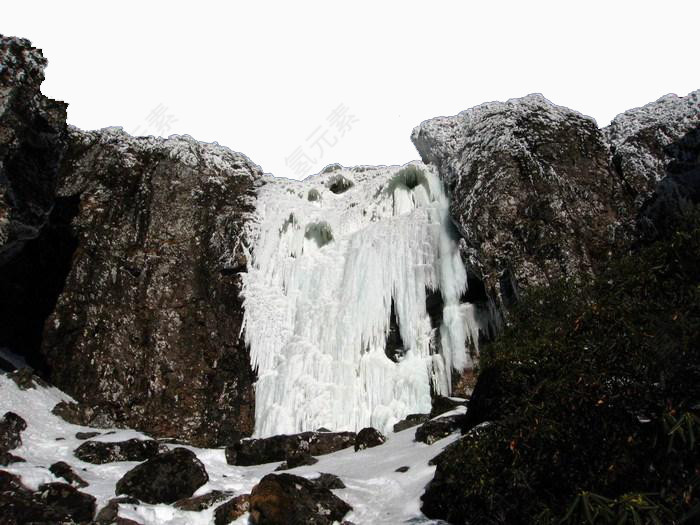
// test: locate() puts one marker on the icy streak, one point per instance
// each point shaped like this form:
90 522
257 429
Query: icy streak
325 267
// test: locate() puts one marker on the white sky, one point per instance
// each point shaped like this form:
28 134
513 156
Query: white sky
262 77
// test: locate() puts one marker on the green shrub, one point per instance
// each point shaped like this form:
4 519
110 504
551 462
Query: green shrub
594 397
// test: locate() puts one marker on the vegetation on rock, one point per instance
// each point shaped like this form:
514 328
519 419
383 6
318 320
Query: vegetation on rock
588 407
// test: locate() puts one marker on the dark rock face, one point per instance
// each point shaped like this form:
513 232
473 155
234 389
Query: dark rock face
654 141
99 452
61 469
32 142
289 500
200 503
146 331
368 437
657 154
120 259
531 188
11 427
32 129
232 510
166 478
437 429
280 448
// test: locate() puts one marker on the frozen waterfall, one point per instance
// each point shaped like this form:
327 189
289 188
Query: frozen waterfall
333 256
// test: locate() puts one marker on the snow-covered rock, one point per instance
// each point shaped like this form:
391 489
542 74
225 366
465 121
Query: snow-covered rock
531 190
651 142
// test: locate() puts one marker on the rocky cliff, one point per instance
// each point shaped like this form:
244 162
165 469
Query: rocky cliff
539 192
121 261
147 329
121 257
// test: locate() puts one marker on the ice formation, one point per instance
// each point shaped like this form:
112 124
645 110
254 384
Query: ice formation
333 256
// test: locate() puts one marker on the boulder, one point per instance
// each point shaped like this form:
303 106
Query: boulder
109 514
63 470
11 427
328 481
297 459
411 420
232 510
442 404
26 379
165 478
80 507
99 452
200 503
437 429
19 505
279 448
368 437
290 500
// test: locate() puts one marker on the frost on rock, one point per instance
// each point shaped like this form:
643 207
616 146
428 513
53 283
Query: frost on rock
318 295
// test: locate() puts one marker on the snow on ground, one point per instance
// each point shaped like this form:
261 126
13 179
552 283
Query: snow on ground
377 493
333 256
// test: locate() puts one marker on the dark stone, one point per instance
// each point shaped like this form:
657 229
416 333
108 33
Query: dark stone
290 500
328 481
279 448
200 503
402 469
99 452
65 498
232 510
368 437
411 420
166 478
32 144
437 429
6 459
297 459
442 404
63 470
86 435
25 379
11 427
109 514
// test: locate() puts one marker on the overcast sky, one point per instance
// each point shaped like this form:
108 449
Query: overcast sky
299 85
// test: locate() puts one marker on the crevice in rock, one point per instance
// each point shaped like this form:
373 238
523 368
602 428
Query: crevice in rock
32 281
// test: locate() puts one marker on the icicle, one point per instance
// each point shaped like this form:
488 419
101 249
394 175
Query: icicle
319 291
